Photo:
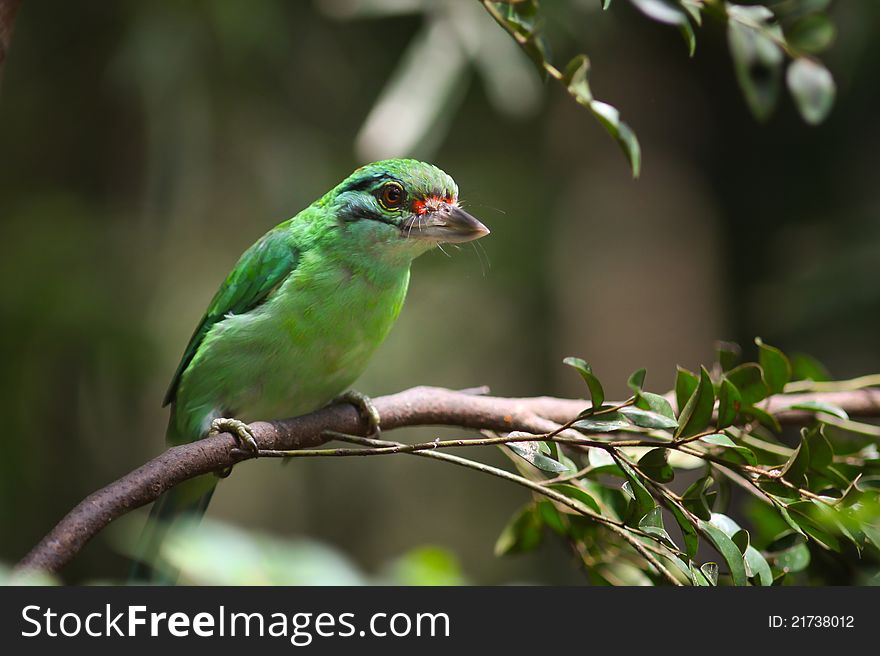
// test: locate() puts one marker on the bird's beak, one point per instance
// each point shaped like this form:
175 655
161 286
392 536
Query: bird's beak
449 224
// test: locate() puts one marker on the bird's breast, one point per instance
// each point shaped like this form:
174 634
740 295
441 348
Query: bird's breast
315 337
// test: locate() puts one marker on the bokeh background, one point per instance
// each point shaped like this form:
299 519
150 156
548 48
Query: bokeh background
145 145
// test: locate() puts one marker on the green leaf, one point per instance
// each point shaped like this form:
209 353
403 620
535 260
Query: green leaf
680 565
806 367
804 514
793 560
728 551
551 517
841 521
643 499
685 384
729 402
757 58
812 88
425 566
688 530
813 33
693 8
756 564
655 466
652 519
783 512
813 453
602 462
522 533
795 468
741 540
662 11
777 369
743 454
697 412
837 480
698 577
725 523
729 355
530 451
636 380
575 79
822 406
710 571
872 534
648 419
718 439
609 117
569 464
749 380
597 394
578 494
789 553
655 403
690 37
554 450
604 423
821 453
697 498
763 417
652 524
782 493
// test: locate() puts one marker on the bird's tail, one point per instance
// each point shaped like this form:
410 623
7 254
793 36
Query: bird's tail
187 501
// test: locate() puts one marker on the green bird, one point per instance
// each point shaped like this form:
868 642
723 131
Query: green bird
296 321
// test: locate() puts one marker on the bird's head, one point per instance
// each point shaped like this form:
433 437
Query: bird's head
403 204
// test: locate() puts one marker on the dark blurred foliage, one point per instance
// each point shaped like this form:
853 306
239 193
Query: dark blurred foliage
144 145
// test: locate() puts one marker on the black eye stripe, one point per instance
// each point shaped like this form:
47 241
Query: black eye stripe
358 185
372 182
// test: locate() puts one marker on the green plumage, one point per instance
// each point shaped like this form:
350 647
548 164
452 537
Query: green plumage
296 321
259 271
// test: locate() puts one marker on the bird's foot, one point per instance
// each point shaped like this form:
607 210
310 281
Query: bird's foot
239 429
365 407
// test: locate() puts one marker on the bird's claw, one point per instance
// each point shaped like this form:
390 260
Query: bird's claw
241 431
366 408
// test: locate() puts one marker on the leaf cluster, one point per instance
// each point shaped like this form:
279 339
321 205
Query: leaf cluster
661 468
766 43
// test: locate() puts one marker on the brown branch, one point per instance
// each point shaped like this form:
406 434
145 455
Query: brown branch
419 406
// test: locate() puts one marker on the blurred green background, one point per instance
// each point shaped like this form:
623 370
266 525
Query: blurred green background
145 145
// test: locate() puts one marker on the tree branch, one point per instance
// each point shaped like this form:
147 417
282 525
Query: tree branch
419 406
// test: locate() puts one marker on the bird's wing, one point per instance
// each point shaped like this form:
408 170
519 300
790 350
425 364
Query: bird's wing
257 273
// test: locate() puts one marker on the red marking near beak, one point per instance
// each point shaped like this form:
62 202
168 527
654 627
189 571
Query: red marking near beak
430 204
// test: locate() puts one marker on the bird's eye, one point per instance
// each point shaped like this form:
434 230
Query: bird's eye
391 196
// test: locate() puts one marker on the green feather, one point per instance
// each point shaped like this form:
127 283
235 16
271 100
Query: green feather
258 271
